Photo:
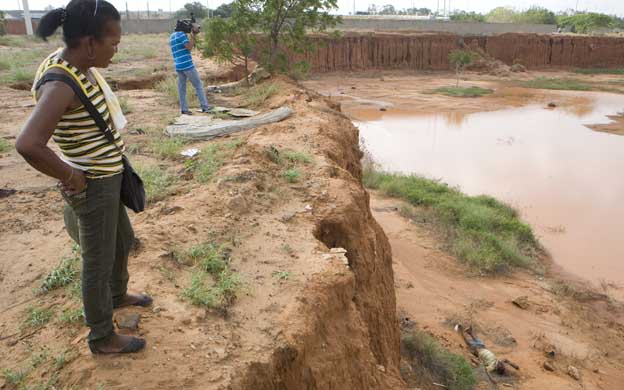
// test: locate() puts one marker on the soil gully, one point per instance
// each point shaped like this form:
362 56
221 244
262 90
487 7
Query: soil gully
563 177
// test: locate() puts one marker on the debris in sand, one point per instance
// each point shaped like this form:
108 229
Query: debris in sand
552 105
192 152
128 321
199 127
574 372
337 250
522 302
243 112
518 68
548 366
5 193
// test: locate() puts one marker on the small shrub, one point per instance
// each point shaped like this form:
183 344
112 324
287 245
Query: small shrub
157 182
198 293
14 377
207 164
72 316
123 103
36 317
38 358
428 358
258 94
460 59
210 257
60 361
5 145
292 175
169 147
273 154
62 275
281 275
296 157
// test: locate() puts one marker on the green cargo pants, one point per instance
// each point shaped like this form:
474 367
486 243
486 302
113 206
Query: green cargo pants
97 220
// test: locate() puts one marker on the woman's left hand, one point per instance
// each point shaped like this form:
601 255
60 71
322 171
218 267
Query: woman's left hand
76 185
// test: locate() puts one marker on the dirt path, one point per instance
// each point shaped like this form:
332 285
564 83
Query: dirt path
435 291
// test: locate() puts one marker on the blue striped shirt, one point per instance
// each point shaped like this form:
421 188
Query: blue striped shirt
181 55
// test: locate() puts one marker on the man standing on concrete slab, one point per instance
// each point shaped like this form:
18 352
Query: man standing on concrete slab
181 48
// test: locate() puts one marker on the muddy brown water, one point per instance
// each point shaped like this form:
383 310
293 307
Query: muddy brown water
566 180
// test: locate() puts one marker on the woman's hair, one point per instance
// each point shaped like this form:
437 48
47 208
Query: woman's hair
80 18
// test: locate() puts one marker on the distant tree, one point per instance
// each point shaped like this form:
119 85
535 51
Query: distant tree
195 8
224 10
535 15
585 22
231 39
284 24
2 29
501 15
388 9
460 59
463 16
372 9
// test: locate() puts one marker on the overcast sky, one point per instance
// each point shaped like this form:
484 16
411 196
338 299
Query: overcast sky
346 6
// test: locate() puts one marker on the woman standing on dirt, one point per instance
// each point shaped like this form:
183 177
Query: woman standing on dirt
89 168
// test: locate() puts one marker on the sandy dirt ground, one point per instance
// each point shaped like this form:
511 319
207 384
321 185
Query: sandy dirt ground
436 292
582 326
270 226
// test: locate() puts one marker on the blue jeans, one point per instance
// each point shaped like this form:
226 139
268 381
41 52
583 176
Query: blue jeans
193 76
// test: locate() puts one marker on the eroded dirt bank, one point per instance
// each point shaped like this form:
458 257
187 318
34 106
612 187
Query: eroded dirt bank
303 319
422 51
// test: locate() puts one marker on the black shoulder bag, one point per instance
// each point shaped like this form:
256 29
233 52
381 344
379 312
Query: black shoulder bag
132 190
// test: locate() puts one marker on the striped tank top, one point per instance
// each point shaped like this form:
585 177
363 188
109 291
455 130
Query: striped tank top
80 140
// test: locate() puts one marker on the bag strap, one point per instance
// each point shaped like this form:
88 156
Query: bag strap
95 114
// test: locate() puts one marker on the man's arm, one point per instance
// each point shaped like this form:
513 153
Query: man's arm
190 44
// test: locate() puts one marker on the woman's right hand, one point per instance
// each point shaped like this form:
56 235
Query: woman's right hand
76 184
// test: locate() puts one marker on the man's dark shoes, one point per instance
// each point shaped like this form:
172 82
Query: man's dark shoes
187 113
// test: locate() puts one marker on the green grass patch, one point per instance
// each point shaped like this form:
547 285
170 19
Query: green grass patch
557 84
281 275
169 87
206 165
292 175
600 71
37 316
61 275
258 94
428 359
220 295
294 157
72 316
467 92
5 145
14 377
158 182
38 358
168 147
481 231
212 258
123 104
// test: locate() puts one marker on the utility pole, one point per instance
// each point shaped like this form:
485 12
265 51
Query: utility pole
127 12
353 7
27 20
148 9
